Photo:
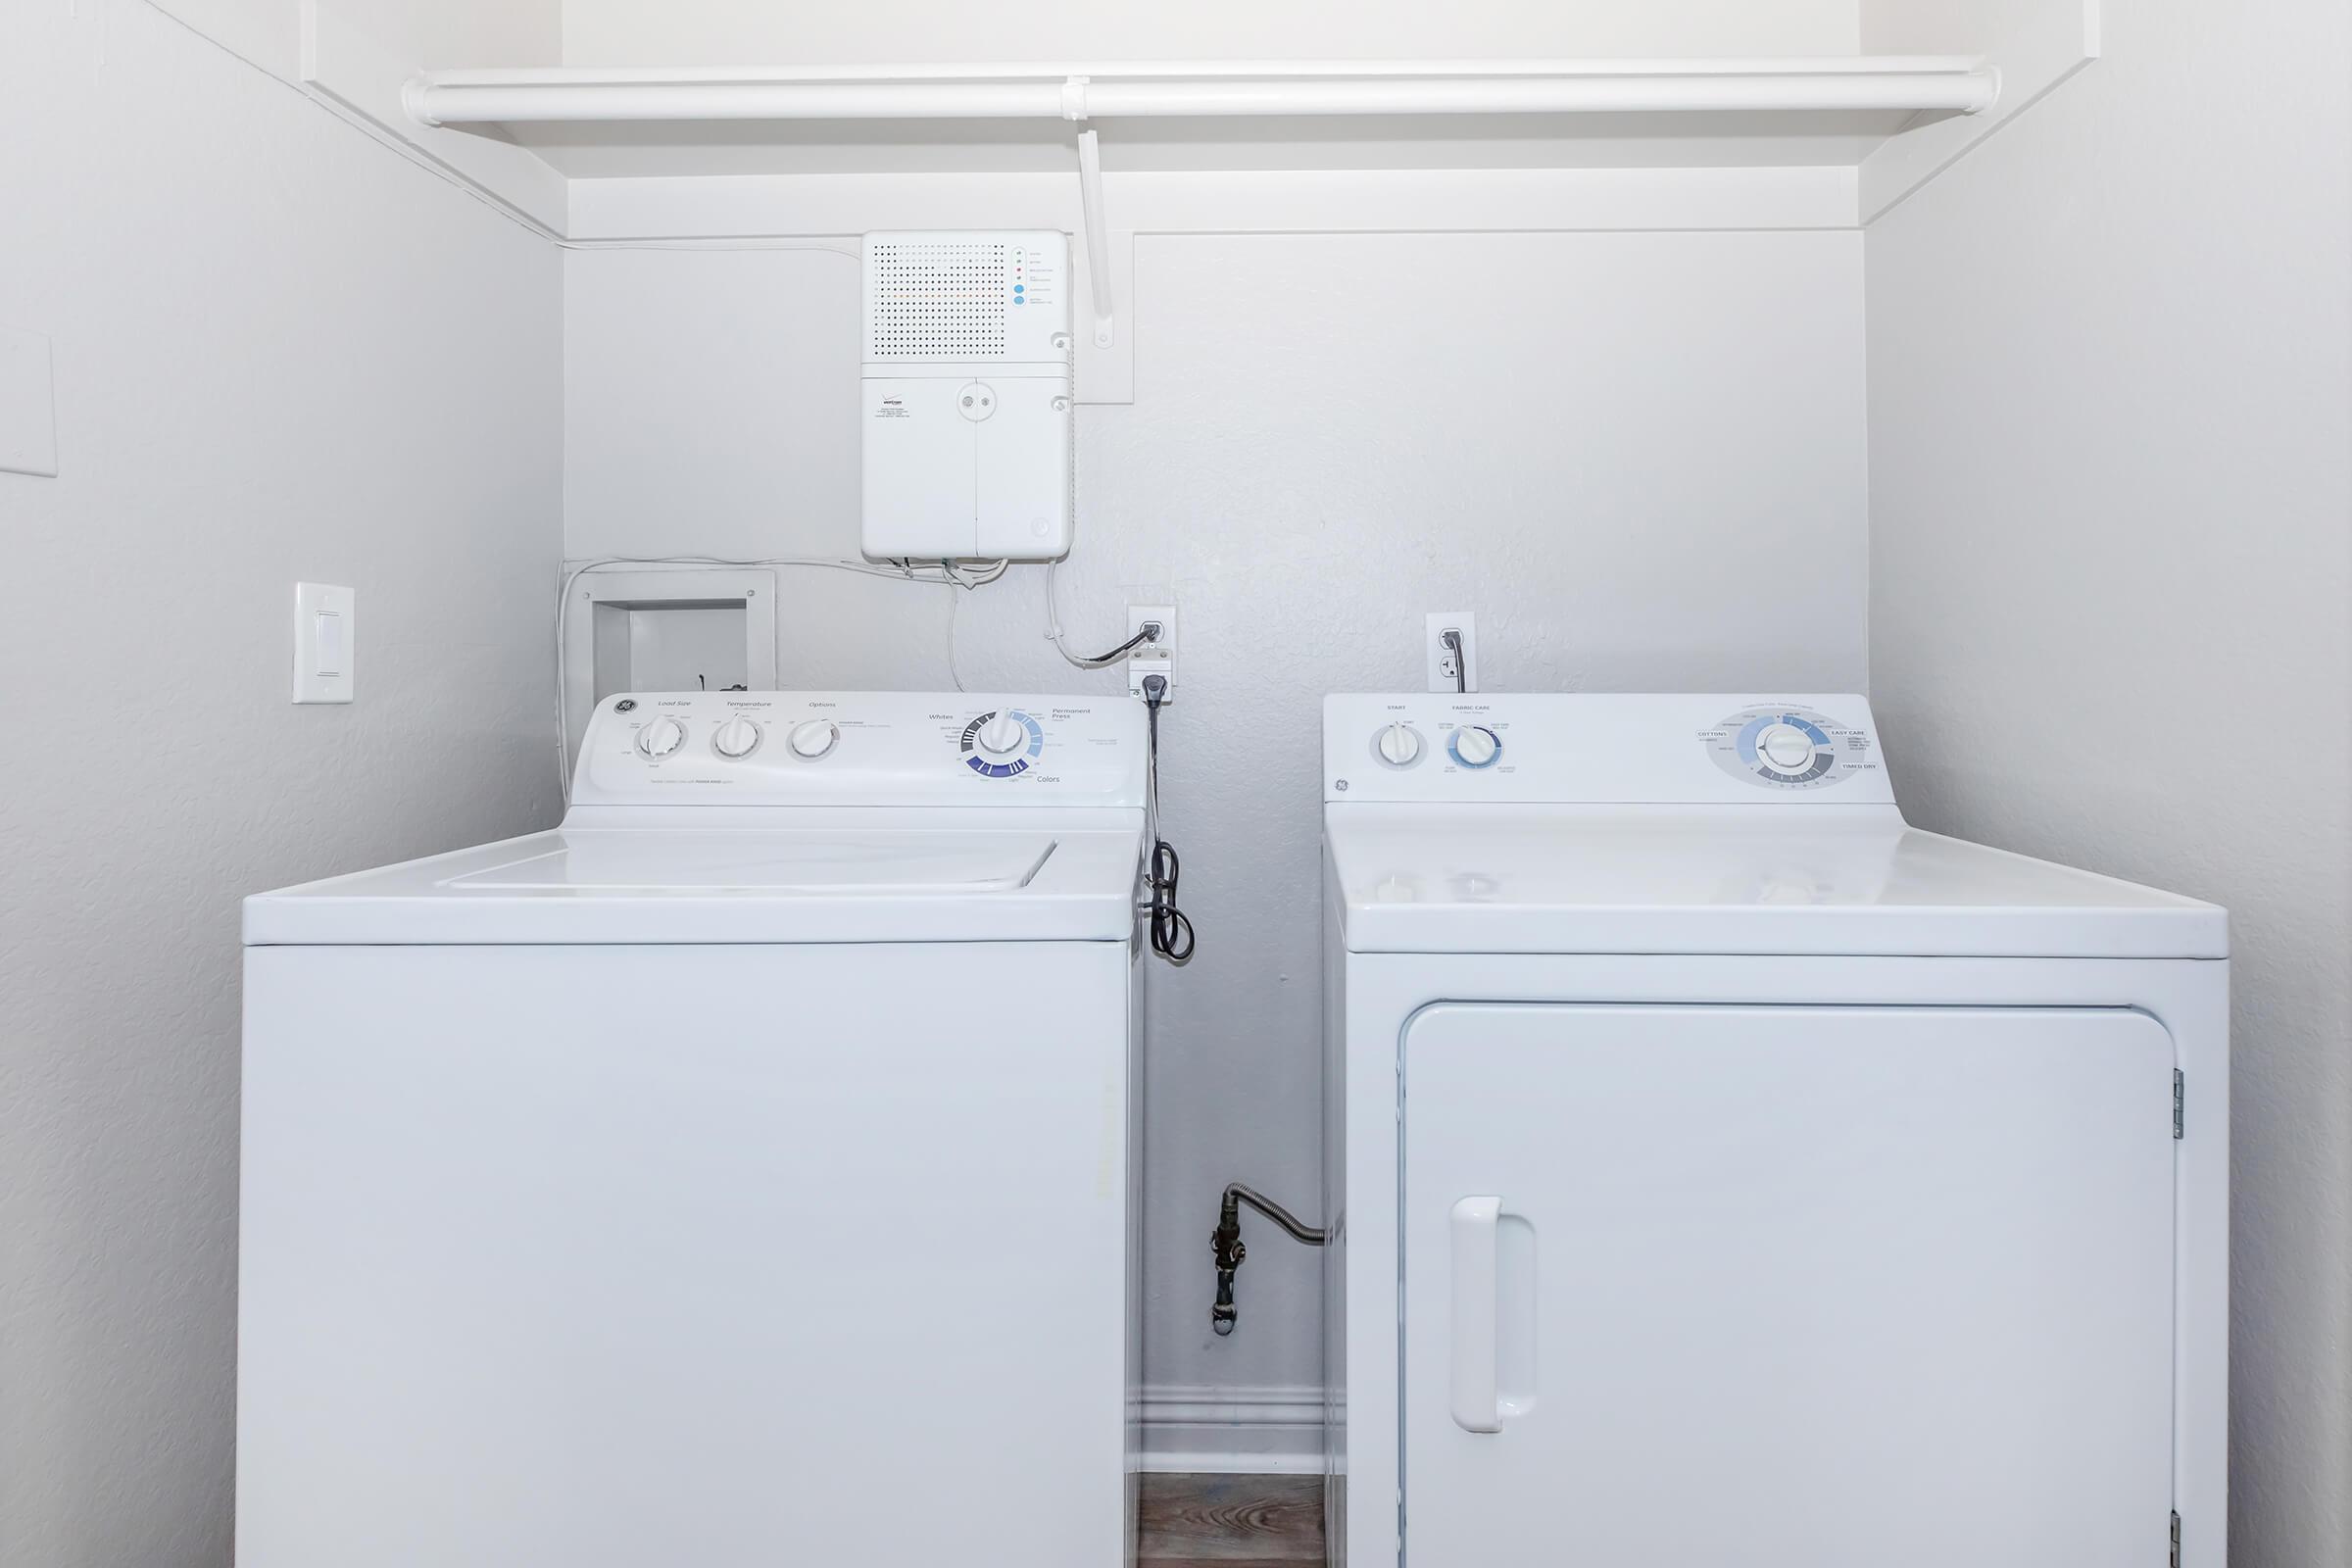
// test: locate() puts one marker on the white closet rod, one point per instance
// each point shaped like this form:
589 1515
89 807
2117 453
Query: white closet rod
460 98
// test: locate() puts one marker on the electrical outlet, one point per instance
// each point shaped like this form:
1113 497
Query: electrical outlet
1157 657
1452 669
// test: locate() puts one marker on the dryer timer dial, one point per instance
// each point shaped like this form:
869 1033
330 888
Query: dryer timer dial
1787 748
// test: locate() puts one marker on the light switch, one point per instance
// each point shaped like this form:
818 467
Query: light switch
27 404
331 644
324 641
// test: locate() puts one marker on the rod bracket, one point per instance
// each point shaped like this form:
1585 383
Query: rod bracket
1099 267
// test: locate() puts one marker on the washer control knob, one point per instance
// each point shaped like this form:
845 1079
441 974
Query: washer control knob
1400 745
1785 748
1476 746
737 737
1002 736
660 736
814 738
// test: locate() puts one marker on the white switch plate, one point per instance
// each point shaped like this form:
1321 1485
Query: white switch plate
1152 658
1441 661
325 642
27 404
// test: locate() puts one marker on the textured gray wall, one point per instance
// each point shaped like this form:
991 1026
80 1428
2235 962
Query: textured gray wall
1637 457
2111 597
282 353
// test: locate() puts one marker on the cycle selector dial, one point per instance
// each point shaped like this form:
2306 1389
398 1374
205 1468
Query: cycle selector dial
1005 743
737 737
660 736
814 738
1476 746
1002 736
1399 745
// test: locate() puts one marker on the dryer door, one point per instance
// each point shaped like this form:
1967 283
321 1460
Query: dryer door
1788 1287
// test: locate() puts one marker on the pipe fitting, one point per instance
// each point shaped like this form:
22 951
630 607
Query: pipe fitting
1226 1245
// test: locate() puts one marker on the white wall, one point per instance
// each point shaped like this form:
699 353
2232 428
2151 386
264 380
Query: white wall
282 353
434 32
2111 453
674 32
1638 457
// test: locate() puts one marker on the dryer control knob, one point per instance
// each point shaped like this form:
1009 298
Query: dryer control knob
1476 746
1400 745
1786 749
813 739
660 736
1002 736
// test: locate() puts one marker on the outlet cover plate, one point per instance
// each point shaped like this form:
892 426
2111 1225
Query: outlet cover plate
1154 658
1441 678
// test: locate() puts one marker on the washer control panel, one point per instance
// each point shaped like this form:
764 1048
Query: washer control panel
1783 747
1663 749
861 749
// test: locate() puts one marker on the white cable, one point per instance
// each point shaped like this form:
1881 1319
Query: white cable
1062 645
1052 598
944 574
955 603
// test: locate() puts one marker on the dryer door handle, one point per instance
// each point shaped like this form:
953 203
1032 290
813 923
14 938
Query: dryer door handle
1477 1400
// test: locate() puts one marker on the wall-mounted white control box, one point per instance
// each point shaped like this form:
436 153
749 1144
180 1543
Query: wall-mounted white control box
965 412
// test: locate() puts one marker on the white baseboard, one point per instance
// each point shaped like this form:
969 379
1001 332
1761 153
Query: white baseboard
1211 1430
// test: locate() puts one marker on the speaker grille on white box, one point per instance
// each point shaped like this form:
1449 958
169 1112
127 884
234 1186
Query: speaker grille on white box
937 300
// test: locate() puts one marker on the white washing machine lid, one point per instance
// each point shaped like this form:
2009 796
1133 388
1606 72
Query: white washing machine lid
1416 878
829 877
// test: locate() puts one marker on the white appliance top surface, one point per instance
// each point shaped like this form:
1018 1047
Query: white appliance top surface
781 860
853 881
1663 825
896 817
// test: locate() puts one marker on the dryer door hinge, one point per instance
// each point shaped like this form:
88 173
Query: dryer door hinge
2180 1102
2175 1560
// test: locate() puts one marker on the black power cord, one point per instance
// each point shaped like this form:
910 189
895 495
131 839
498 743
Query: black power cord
1171 932
1105 660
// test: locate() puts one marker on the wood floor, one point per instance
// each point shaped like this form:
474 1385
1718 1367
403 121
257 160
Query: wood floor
1229 1521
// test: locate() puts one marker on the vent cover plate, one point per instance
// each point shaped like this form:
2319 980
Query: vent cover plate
937 299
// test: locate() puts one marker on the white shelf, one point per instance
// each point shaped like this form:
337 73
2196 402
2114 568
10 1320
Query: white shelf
1121 92
651 123
640 155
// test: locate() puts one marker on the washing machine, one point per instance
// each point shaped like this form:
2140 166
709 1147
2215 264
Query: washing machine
1724 1171
742 1173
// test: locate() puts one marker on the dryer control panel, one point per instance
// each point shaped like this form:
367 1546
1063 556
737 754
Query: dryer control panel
1663 749
1780 746
862 749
